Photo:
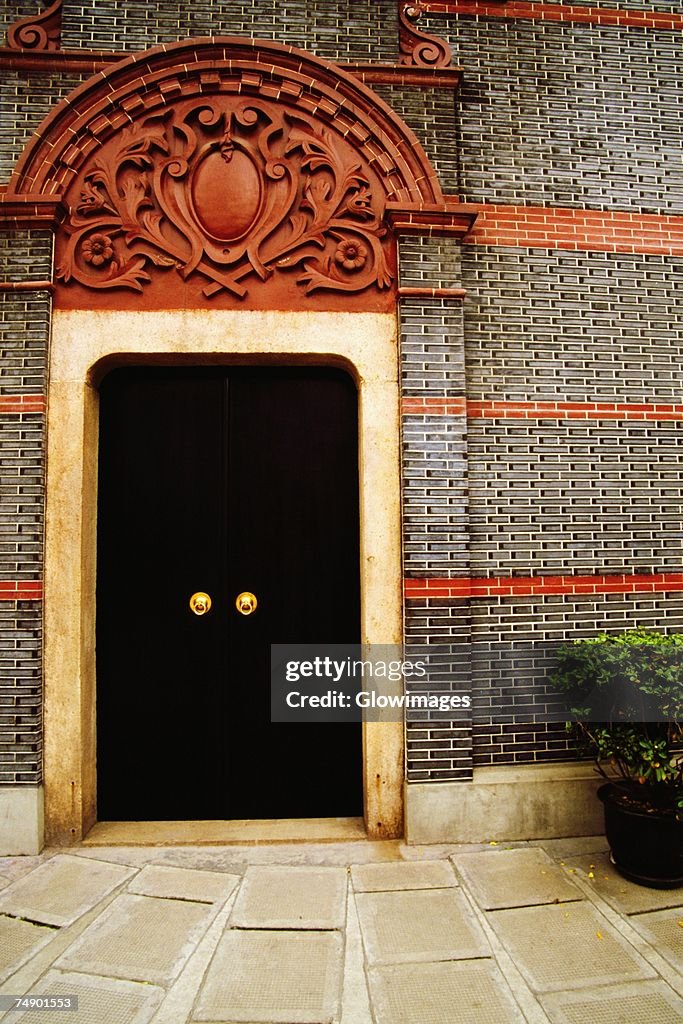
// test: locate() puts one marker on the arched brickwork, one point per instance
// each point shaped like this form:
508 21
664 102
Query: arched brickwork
111 100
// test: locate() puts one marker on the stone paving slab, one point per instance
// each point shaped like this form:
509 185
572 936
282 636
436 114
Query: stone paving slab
515 878
183 884
423 925
437 874
624 896
138 938
15 868
577 846
646 1002
291 897
19 940
100 1001
280 977
664 929
61 890
566 946
466 992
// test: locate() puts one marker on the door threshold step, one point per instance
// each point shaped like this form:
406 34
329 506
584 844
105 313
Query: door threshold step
222 833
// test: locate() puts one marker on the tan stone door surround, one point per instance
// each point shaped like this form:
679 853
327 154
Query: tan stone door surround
84 345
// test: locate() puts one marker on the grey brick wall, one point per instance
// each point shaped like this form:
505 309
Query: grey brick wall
435 519
21 496
24 334
343 30
20 693
567 114
515 497
25 255
431 363
25 101
561 497
556 498
435 525
553 325
507 645
516 715
432 114
439 746
433 447
430 262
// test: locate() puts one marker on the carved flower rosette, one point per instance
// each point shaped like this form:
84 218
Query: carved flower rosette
227 190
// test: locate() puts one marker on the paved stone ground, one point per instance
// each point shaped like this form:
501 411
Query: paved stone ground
340 933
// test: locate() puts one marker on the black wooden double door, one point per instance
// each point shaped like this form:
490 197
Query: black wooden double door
222 481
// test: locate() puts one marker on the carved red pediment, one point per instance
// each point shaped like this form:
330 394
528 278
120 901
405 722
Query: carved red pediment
229 192
226 173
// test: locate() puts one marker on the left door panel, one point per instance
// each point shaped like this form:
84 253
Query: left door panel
161 538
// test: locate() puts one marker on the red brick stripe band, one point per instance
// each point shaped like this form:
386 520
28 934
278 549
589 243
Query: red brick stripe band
21 590
478 587
409 292
32 590
434 406
543 586
546 227
26 286
21 403
429 406
556 12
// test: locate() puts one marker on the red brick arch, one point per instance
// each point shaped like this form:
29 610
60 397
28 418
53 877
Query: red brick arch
108 101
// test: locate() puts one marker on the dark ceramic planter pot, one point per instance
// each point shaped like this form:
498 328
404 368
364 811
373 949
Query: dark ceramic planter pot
646 848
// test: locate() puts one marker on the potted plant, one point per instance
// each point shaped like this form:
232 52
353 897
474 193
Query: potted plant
626 696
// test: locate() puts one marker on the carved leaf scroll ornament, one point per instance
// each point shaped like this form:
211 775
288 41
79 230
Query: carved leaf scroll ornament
39 31
418 48
227 192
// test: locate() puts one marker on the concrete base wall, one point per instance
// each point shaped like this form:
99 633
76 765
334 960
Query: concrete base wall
507 803
21 820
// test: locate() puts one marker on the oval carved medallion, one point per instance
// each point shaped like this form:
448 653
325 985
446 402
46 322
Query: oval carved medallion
226 193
